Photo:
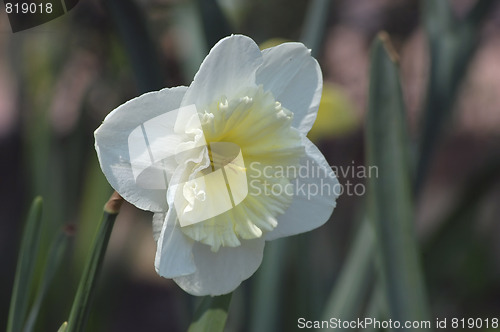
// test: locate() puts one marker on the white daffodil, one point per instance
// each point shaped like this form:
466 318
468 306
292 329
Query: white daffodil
224 163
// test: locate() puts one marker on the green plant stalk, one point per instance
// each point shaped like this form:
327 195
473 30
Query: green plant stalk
26 263
211 314
95 191
81 305
390 194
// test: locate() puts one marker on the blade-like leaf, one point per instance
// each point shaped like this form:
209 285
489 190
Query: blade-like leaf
267 293
479 11
215 24
54 260
132 28
63 327
211 315
452 44
376 307
354 282
186 18
25 268
315 23
85 292
389 194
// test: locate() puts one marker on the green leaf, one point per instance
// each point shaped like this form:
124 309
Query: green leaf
54 260
211 314
186 17
26 262
452 44
267 293
313 30
353 283
389 195
376 308
479 11
63 327
86 288
132 28
215 24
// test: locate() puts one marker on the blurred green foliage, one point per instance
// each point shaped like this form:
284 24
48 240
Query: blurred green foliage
390 205
25 268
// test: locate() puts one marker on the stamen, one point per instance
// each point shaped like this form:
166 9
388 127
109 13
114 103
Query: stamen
207 117
246 100
223 104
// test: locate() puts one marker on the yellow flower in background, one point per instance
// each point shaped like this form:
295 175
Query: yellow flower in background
336 115
273 42
224 164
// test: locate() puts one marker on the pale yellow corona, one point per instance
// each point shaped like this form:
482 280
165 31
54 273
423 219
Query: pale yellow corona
261 128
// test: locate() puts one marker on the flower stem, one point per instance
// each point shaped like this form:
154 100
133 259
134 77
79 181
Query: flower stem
211 314
85 292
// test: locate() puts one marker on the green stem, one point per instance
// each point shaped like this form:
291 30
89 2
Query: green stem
85 292
211 315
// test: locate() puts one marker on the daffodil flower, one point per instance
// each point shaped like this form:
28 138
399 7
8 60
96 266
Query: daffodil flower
224 164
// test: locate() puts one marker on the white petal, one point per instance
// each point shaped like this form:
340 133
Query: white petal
221 272
173 253
229 67
315 192
158 220
112 140
294 77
